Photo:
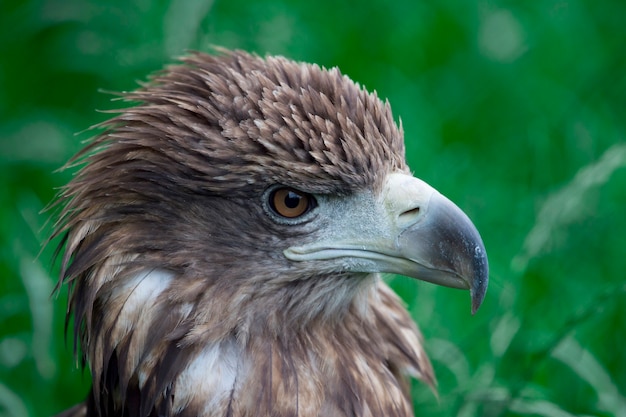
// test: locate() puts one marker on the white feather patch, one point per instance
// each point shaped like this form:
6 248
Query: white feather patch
210 378
143 289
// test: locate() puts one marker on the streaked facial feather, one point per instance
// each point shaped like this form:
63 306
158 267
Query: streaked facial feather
182 300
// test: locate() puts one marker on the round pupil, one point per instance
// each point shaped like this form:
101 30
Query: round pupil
292 200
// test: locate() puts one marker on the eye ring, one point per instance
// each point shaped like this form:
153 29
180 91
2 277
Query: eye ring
289 203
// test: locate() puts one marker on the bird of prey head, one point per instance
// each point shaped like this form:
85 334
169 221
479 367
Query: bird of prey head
224 239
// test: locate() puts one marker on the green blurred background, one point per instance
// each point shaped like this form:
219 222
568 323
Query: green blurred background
515 110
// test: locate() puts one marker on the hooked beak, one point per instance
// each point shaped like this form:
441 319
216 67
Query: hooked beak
412 230
446 249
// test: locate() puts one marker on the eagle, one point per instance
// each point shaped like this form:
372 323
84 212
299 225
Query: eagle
223 243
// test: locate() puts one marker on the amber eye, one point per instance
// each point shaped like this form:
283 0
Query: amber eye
290 203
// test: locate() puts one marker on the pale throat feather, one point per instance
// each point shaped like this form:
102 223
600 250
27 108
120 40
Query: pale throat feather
307 370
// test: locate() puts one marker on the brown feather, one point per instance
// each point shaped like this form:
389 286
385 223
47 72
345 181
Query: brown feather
171 262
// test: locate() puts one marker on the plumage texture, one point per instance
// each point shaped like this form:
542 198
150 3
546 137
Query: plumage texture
182 299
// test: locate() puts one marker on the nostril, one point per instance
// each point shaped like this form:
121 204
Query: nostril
409 215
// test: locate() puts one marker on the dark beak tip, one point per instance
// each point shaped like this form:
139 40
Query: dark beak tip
480 267
479 288
476 302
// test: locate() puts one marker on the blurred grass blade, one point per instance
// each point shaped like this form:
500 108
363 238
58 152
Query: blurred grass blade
568 205
538 408
503 333
38 287
450 356
10 404
182 23
582 361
